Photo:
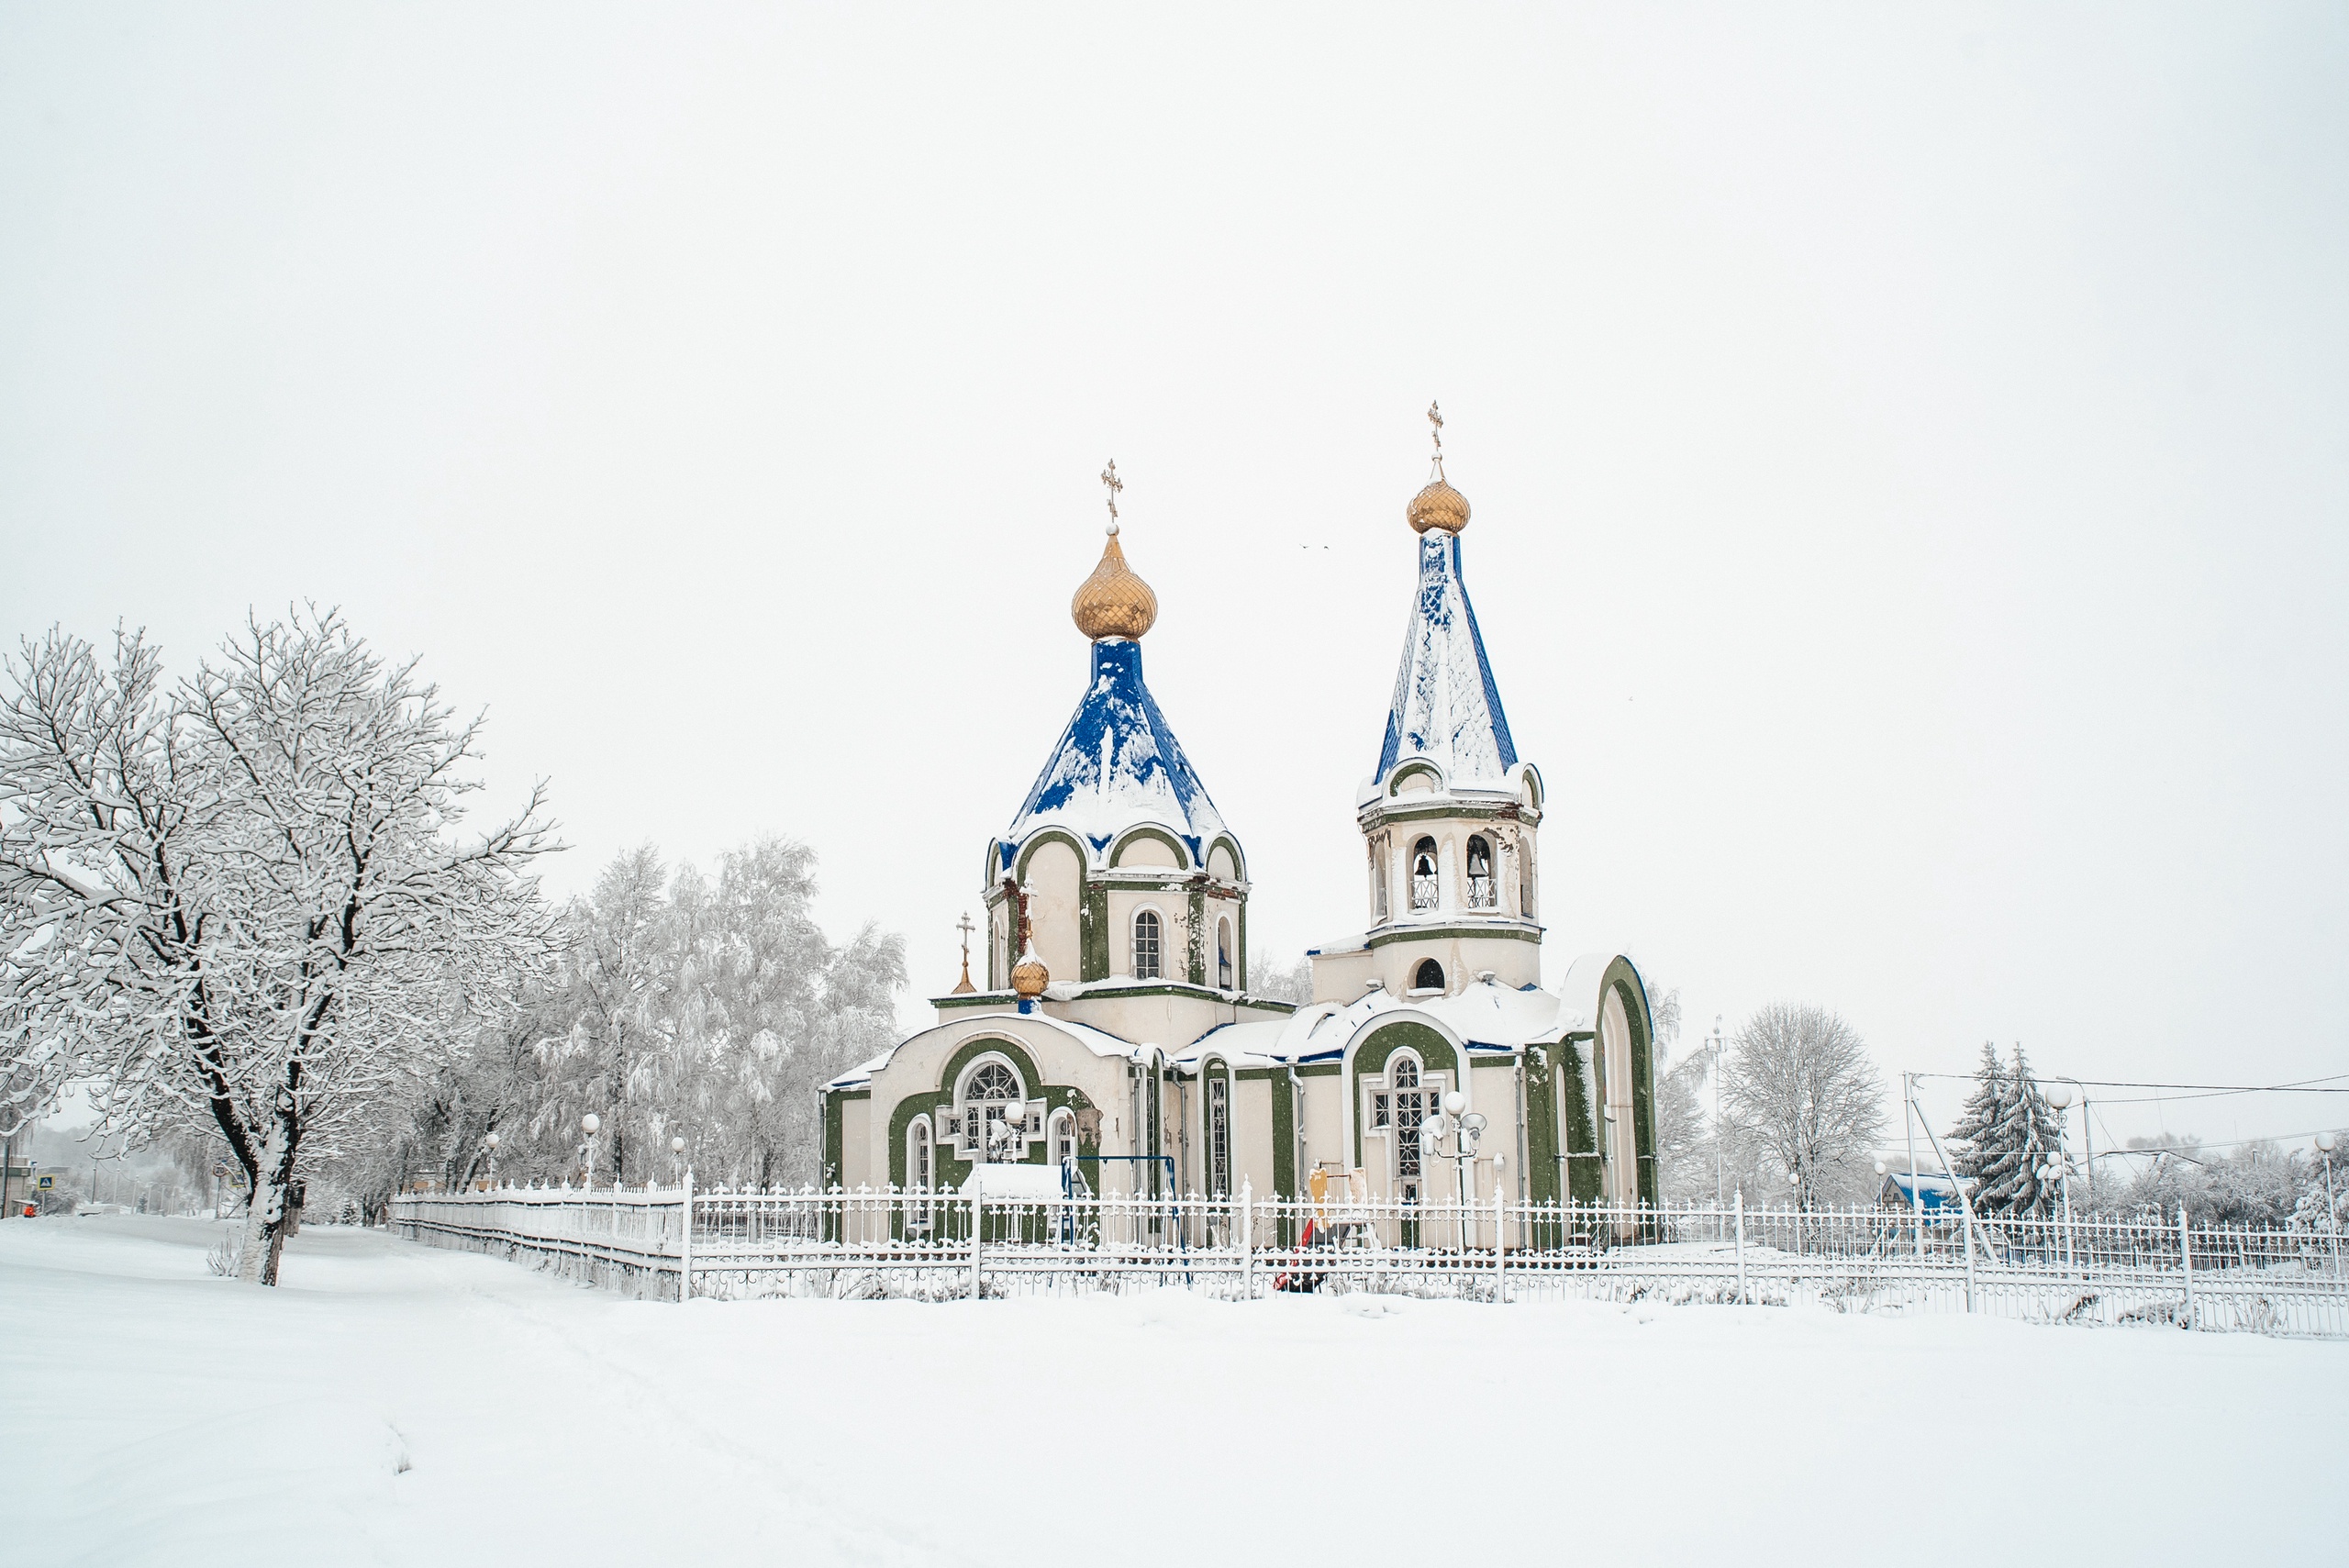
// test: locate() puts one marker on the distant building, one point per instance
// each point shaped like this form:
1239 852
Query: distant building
1928 1190
1116 1036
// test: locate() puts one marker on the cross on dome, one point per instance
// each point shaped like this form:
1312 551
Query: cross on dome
1114 601
1437 506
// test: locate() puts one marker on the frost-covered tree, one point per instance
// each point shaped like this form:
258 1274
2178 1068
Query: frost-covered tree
1798 1086
2322 1202
709 1009
619 982
2004 1137
1280 981
1972 1140
240 902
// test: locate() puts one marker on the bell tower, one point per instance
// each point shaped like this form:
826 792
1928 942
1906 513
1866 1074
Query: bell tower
1450 820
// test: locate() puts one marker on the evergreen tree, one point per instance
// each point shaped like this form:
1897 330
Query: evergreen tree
2022 1142
1974 1141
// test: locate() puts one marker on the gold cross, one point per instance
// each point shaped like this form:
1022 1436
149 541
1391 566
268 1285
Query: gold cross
1436 419
965 926
1110 477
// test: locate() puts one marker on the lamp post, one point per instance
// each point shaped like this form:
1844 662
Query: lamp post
589 1124
1466 1127
2059 1098
2326 1142
1714 1044
490 1143
677 1159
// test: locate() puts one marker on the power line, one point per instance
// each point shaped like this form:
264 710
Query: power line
2301 1087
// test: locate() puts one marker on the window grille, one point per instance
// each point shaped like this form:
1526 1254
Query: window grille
1146 945
1219 1136
1412 1101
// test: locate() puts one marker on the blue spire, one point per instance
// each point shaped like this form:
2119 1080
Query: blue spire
1118 765
1446 708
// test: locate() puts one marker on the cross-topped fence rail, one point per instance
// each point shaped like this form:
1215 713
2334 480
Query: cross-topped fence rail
675 1242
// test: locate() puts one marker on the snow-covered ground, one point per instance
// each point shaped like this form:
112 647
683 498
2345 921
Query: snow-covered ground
395 1404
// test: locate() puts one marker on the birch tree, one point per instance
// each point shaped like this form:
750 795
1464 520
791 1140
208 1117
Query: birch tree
239 903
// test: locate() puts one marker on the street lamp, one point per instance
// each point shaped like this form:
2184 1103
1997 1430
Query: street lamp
2326 1142
1464 1126
678 1158
1714 1045
590 1125
490 1143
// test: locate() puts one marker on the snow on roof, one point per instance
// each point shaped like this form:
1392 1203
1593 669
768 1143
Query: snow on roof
1118 766
1100 1042
1446 708
1486 1016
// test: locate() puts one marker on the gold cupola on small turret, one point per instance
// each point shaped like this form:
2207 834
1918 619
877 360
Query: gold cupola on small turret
1437 505
1114 602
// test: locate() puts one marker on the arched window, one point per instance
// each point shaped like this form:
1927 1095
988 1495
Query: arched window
1424 882
917 1174
1223 970
1429 977
992 1124
1062 1144
1219 1133
1146 945
1482 894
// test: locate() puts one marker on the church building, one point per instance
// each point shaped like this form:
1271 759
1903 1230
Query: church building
1117 1040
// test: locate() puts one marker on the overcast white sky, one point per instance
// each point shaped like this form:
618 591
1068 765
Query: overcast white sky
1909 448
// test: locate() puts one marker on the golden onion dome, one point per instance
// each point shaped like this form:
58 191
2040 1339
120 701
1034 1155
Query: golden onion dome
1113 602
1029 976
1438 507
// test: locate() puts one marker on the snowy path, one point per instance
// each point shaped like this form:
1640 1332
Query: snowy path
157 1414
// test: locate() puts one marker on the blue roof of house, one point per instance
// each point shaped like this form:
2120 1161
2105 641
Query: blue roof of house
1446 708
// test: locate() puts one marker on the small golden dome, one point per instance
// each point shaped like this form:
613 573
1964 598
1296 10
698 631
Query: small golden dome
1113 602
1029 976
1438 507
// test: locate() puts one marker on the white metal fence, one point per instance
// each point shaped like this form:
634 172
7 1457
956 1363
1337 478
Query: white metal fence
675 1242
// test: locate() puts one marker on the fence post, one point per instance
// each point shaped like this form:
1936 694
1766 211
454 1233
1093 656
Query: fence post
685 1245
1969 1254
975 1201
2185 1262
1500 1246
1247 1241
1741 1244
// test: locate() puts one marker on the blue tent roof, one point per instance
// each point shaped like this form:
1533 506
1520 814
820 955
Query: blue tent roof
1118 766
1446 708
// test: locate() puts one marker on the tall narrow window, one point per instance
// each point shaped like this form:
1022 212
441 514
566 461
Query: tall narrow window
1219 1136
1411 1106
917 1174
1482 894
1423 880
1223 974
1063 1143
1146 945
